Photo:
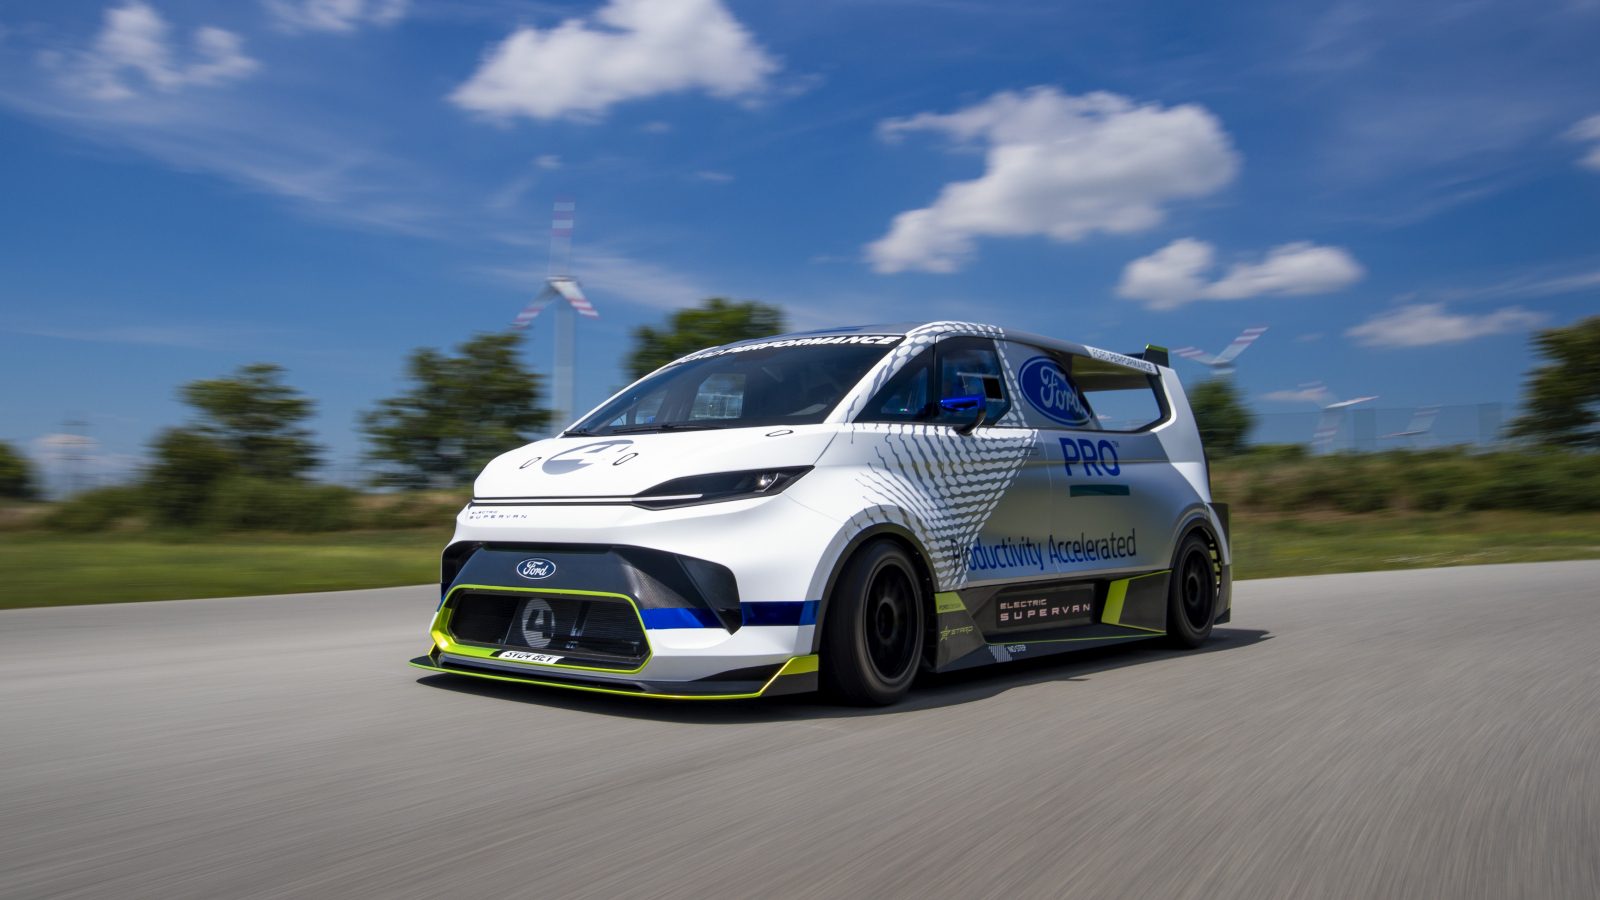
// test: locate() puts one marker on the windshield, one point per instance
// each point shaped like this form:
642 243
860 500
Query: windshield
785 383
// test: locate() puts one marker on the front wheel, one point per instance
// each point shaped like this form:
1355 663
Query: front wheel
872 632
1192 593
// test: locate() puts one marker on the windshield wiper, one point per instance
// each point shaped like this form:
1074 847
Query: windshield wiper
577 432
664 426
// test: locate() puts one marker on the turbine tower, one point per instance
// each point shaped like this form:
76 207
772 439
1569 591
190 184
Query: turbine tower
1222 363
561 288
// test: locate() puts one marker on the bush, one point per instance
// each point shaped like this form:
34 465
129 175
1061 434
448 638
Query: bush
99 510
241 503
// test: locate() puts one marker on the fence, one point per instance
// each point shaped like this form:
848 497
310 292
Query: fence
1367 429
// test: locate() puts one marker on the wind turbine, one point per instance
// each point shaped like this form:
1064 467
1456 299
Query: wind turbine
1222 363
1332 414
1421 425
561 288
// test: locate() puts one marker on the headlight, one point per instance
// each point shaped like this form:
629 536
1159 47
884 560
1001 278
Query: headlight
715 488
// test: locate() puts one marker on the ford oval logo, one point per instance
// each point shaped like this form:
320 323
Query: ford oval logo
535 569
1050 391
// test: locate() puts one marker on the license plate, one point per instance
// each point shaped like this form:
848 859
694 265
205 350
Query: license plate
520 656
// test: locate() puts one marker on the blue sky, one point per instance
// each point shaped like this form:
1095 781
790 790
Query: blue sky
1400 191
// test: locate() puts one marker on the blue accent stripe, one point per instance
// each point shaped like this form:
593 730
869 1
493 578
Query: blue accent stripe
786 612
678 617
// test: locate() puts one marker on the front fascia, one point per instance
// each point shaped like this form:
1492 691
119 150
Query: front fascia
772 546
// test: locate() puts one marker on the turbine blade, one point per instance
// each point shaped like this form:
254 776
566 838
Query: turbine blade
1245 339
569 290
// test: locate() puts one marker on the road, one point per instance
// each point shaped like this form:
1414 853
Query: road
1414 734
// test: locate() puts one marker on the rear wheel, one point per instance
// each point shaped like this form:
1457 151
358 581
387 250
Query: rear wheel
1192 593
873 630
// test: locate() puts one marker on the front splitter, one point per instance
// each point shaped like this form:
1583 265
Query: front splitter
796 676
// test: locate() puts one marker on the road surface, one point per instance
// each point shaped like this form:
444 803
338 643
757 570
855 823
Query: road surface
1411 734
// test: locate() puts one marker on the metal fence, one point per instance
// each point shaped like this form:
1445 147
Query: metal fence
1366 430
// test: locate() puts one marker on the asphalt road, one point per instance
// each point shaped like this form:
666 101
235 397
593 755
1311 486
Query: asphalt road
1417 734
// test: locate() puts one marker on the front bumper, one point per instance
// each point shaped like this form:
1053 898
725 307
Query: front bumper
615 618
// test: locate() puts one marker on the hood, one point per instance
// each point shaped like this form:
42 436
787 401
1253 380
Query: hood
627 464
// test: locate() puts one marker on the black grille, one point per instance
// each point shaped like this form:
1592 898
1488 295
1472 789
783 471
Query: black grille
600 630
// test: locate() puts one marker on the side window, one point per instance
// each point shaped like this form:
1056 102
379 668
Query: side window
1119 399
967 367
905 398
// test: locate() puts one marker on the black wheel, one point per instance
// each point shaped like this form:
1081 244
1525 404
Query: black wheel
872 629
1192 593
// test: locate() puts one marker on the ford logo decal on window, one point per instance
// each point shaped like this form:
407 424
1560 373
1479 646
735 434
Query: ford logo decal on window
1050 391
535 569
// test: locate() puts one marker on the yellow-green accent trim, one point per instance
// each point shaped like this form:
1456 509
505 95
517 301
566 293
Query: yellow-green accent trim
445 641
1116 595
948 602
799 665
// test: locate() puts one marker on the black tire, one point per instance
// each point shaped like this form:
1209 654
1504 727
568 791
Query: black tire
872 630
1192 593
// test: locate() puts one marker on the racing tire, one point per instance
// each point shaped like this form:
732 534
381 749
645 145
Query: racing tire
872 632
1192 592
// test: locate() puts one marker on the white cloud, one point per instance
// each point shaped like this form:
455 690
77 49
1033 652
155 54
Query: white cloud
1424 324
656 127
135 40
628 50
713 177
549 162
1180 273
1058 165
1588 131
335 15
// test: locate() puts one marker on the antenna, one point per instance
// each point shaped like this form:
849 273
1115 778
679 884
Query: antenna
561 288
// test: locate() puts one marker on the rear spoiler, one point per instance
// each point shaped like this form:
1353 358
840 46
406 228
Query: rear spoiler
1154 354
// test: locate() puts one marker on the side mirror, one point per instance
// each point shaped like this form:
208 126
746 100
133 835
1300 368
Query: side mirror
973 404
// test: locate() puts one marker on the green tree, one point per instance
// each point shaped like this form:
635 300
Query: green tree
1220 413
257 418
460 412
188 464
1563 402
715 321
17 480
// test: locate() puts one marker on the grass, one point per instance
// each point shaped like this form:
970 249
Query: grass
45 569
1267 545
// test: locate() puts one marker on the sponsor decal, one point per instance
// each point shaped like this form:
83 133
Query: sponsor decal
584 456
523 656
1049 390
1016 648
1053 552
1121 360
536 569
482 514
537 623
1095 457
875 340
946 634
1035 611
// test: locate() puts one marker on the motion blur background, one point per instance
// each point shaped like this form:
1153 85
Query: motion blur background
260 260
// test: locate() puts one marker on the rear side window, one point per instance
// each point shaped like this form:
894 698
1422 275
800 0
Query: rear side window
1119 399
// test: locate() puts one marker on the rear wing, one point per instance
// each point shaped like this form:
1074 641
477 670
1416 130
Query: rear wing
1154 354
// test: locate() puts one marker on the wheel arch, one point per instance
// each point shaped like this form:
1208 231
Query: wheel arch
879 531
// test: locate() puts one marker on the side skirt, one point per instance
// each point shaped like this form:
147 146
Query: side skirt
981 626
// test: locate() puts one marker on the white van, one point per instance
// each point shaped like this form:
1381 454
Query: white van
843 509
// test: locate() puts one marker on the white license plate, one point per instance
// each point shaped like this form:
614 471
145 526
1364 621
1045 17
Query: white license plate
520 656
